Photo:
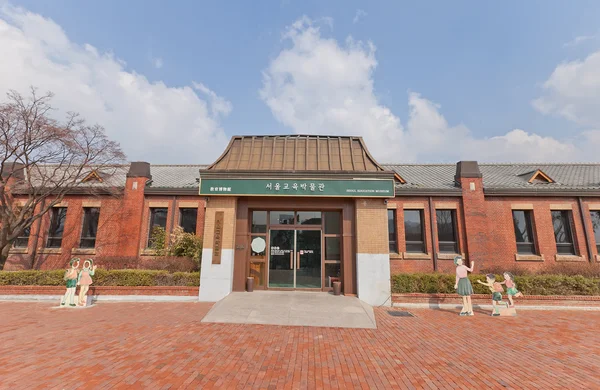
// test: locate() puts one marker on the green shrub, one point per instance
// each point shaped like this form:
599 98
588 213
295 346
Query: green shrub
102 277
527 284
176 244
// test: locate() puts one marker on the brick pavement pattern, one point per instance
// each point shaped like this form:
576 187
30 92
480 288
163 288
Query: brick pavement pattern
164 345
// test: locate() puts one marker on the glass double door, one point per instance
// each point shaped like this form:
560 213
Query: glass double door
295 259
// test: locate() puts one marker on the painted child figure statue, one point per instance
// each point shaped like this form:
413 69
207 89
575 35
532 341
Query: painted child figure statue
71 276
85 280
463 285
511 288
497 290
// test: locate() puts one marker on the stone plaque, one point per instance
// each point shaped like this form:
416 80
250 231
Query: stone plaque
218 237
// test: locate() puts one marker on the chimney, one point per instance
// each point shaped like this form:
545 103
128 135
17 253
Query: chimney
16 168
139 169
467 169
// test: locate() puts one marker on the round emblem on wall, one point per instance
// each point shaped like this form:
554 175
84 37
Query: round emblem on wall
258 244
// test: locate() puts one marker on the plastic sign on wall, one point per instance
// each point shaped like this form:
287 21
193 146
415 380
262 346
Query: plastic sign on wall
377 188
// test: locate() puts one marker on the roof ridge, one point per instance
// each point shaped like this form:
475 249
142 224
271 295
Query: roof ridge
178 165
538 164
297 135
418 165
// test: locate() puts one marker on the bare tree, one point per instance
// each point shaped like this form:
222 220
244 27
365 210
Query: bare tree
43 159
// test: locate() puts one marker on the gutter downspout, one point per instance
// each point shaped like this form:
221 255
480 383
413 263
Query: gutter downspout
174 208
586 231
431 222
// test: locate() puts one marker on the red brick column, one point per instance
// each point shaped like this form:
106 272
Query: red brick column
470 180
133 208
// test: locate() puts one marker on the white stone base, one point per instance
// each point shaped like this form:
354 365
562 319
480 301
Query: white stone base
216 280
373 279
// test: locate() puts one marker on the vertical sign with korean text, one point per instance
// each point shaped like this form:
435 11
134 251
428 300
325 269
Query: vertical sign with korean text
218 237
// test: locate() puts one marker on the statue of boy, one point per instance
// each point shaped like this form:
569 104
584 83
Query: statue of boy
496 290
71 276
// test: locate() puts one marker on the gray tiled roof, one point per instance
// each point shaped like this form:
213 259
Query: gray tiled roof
566 176
501 176
175 176
431 177
425 176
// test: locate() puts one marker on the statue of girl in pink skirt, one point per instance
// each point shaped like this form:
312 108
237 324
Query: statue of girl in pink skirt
85 279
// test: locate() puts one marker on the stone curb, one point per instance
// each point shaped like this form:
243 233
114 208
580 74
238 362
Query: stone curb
489 307
102 298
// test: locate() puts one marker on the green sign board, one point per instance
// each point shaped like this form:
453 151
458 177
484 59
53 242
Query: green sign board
379 188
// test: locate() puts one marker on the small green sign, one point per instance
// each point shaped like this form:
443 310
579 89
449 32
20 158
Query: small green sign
377 188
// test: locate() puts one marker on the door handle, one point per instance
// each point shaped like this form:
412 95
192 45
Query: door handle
292 260
298 260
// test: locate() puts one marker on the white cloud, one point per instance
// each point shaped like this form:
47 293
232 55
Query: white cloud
151 120
360 14
157 62
320 86
580 39
573 92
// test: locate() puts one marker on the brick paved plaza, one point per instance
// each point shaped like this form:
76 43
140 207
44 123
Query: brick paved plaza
164 345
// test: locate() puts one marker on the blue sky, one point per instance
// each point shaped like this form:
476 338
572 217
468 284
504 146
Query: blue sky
440 81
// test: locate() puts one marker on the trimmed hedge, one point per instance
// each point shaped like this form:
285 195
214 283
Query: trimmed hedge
528 285
126 277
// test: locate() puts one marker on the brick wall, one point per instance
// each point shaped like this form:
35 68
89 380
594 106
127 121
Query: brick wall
122 227
410 262
371 226
491 228
228 206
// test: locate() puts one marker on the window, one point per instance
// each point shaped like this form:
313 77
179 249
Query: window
91 215
561 220
57 227
446 228
258 248
282 218
23 239
187 219
333 246
413 231
596 226
524 232
309 217
158 218
392 231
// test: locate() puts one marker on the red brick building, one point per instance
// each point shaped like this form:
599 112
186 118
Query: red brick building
301 211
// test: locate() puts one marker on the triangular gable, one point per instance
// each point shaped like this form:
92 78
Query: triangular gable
538 176
93 175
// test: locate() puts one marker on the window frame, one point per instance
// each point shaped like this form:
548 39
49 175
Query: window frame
53 229
393 244
22 239
422 224
181 218
569 232
530 227
151 218
596 230
454 220
83 225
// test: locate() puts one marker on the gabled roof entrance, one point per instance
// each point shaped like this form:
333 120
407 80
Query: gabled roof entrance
329 165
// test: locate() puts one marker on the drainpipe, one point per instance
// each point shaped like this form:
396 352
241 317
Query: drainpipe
37 235
174 208
586 231
431 223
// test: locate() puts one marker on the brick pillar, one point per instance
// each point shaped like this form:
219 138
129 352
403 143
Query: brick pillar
372 252
470 179
133 208
216 272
